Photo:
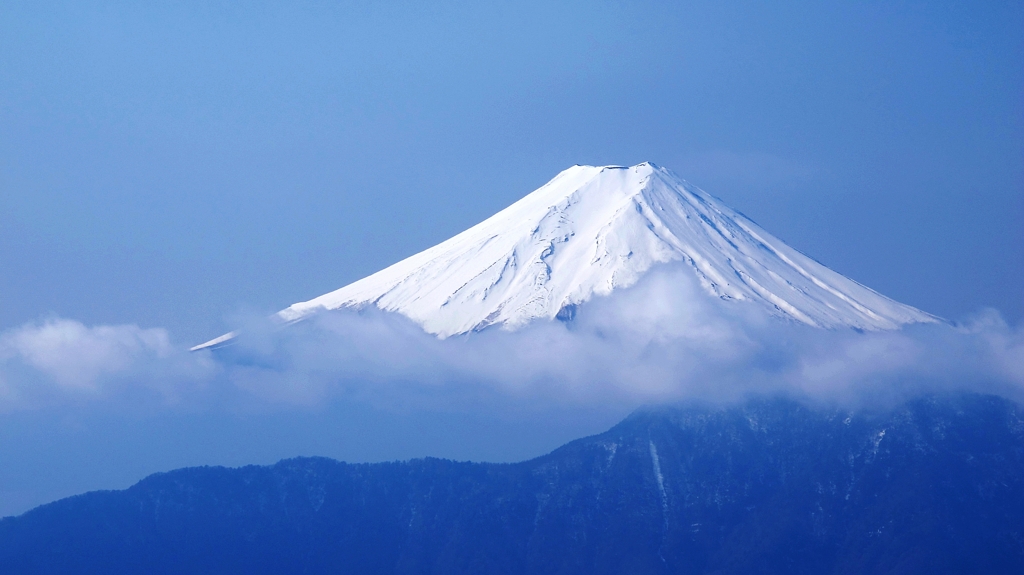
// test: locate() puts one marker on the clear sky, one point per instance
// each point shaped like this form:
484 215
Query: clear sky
174 164
182 165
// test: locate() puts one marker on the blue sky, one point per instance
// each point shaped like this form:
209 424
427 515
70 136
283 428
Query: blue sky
174 164
182 166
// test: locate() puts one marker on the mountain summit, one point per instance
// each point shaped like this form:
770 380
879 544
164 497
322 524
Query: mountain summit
590 231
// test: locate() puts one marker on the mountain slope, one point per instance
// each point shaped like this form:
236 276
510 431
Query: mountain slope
592 230
935 486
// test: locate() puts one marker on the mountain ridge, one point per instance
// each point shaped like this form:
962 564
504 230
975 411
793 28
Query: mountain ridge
769 486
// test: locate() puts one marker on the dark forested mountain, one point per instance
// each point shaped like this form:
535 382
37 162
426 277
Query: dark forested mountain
935 486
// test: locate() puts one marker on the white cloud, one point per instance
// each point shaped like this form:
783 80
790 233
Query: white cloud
661 340
76 356
59 359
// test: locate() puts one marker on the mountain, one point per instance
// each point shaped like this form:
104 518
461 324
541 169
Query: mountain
934 486
592 230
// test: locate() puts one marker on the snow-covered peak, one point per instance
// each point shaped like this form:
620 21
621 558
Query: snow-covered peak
594 229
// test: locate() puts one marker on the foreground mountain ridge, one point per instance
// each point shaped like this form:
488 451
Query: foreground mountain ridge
595 229
934 486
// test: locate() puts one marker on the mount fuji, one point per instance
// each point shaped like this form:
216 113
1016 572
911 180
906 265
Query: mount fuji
595 229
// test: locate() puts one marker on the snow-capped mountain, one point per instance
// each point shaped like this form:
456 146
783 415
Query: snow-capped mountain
592 230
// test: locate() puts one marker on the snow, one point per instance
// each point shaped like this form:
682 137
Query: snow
217 340
594 229
660 479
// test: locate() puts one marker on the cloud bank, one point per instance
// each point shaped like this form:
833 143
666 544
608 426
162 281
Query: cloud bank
60 360
661 340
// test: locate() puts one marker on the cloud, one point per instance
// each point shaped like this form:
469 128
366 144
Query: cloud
74 355
60 359
661 340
